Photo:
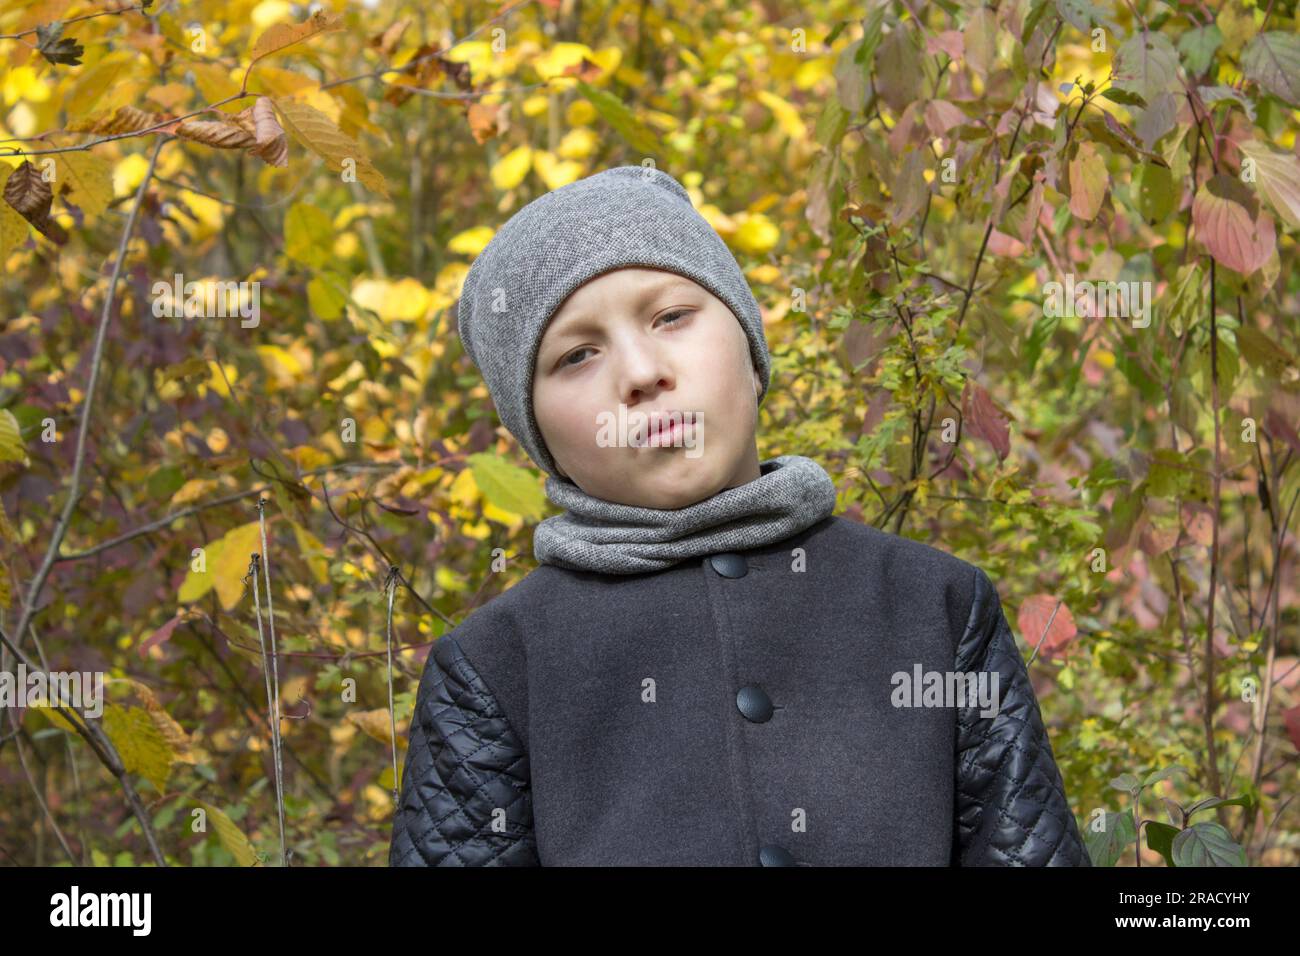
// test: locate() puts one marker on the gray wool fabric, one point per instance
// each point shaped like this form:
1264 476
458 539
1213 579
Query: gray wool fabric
792 493
625 216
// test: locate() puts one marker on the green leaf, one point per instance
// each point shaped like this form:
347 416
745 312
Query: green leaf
508 486
624 122
1080 14
1211 802
1216 94
1160 837
1126 97
307 231
1163 774
832 123
1106 847
1198 48
1039 335
899 71
1207 844
1126 782
1153 192
1146 65
1273 61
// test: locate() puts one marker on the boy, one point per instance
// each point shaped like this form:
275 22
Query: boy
707 667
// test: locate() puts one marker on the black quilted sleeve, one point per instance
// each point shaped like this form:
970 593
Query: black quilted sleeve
466 799
1011 808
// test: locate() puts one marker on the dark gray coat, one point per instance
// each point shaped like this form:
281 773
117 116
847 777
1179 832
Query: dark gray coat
734 710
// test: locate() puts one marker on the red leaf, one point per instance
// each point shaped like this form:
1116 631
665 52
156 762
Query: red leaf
160 636
1230 224
1291 718
984 419
1032 620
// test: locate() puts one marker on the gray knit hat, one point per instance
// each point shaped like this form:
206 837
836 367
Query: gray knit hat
625 216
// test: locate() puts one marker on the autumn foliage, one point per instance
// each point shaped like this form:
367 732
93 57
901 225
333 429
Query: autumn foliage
1027 273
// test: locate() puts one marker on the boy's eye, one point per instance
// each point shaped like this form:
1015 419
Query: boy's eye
676 316
565 360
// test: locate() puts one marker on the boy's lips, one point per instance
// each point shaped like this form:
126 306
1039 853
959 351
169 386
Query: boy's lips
664 428
670 434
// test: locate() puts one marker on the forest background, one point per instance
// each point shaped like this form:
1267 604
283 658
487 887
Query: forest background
1026 270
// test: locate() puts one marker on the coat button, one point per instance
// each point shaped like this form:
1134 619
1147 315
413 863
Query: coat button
729 565
754 703
773 855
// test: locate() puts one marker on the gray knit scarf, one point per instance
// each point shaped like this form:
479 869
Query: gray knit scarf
792 493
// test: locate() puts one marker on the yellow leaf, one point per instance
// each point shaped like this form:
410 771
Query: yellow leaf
270 11
1088 181
13 230
511 169
227 561
7 532
510 488
230 836
555 173
608 59
787 117
811 72
578 143
193 490
11 438
139 742
314 552
314 130
376 724
217 382
22 83
280 362
472 241
756 234
500 515
283 35
214 82
403 301
559 57
89 179
54 717
93 82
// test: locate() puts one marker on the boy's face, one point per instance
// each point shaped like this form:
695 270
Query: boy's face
658 342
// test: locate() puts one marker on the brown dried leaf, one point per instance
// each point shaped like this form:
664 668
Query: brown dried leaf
216 133
126 119
30 196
